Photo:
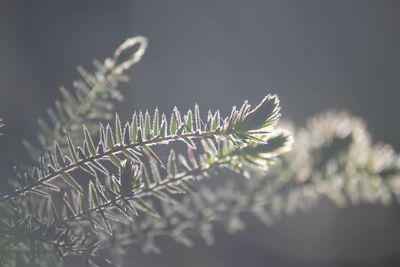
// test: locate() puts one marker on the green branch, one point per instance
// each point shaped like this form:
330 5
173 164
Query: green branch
81 163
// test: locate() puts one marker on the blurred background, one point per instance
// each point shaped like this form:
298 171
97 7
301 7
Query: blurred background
316 55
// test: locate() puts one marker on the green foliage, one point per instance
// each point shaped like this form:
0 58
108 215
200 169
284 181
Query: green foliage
92 157
102 184
77 192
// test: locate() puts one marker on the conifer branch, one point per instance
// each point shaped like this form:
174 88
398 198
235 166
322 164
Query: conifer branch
117 185
61 196
90 98
81 163
143 137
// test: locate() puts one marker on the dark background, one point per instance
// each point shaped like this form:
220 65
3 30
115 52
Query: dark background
317 55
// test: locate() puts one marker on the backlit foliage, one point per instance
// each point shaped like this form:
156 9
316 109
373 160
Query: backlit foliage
89 180
98 184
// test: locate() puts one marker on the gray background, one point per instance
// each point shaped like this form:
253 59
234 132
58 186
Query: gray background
317 55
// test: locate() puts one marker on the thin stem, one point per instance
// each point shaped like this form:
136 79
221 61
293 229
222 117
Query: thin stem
146 191
116 149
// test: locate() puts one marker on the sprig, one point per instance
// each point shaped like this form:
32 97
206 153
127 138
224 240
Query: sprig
114 143
117 176
89 100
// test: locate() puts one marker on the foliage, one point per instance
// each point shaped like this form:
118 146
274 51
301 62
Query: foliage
89 101
130 182
75 193
325 162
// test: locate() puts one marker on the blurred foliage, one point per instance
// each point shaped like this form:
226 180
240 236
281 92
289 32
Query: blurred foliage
129 183
332 157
